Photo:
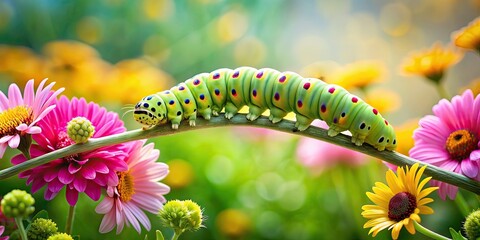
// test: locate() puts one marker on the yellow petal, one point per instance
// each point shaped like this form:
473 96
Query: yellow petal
396 230
410 227
425 210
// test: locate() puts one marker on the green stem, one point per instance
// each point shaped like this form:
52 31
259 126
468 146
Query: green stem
429 233
21 228
70 217
462 204
176 234
442 91
284 126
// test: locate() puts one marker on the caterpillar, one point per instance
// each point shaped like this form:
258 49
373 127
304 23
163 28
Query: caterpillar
207 94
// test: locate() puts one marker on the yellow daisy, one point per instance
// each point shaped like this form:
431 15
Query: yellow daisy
431 63
469 36
399 203
360 74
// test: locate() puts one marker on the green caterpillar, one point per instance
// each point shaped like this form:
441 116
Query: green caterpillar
207 94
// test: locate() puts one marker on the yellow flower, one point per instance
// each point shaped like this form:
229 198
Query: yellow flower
137 74
21 63
399 203
474 85
233 223
359 74
322 70
431 63
181 174
405 136
469 36
383 100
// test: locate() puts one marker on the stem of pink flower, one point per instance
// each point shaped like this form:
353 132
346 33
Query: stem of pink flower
21 228
429 233
462 204
240 120
24 146
70 217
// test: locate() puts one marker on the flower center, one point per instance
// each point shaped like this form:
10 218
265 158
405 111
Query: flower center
125 186
401 206
65 141
460 144
12 117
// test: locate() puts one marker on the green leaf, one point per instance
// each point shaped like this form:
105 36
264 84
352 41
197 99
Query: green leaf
159 235
456 235
41 214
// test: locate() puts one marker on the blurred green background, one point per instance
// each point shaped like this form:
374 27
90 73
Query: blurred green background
250 183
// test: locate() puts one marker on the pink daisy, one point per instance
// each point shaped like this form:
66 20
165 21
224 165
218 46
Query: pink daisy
138 189
450 139
87 172
2 228
318 155
19 115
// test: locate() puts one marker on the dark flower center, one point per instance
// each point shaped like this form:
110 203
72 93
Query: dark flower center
125 186
401 206
460 144
12 117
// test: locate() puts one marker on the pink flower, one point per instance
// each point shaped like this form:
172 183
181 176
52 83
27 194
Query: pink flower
19 115
319 155
2 228
138 189
450 139
86 172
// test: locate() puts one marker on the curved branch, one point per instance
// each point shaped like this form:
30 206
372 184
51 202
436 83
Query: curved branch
284 126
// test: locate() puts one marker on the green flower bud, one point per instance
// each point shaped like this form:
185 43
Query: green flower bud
60 236
17 203
181 215
472 225
41 229
80 129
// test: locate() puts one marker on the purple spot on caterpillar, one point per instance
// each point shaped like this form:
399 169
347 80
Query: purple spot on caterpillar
259 74
299 103
187 101
234 92
282 79
171 102
217 91
181 88
331 90
306 86
323 108
335 120
386 122
236 74
254 93
375 111
202 97
196 82
216 75
167 92
354 99
276 96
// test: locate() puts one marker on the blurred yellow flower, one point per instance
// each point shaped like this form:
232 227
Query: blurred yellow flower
431 63
322 70
405 136
158 9
132 79
469 36
250 51
89 29
231 26
383 100
233 223
359 74
20 63
474 85
399 203
181 174
77 67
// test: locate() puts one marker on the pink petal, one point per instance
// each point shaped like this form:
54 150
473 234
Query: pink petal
80 184
64 176
72 196
469 168
22 127
3 148
93 191
5 139
105 206
34 130
29 93
108 223
475 155
15 96
15 141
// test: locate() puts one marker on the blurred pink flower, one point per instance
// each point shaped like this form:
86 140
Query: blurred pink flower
450 139
319 155
138 189
87 172
2 228
19 115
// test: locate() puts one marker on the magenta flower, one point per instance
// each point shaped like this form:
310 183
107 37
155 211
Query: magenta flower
450 139
20 115
138 189
2 228
86 172
318 155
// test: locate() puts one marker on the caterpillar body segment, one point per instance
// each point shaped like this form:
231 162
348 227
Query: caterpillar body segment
207 94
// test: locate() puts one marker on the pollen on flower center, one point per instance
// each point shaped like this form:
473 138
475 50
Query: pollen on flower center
12 117
401 206
460 144
125 186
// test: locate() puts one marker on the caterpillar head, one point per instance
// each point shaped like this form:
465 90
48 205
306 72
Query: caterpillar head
150 111
382 135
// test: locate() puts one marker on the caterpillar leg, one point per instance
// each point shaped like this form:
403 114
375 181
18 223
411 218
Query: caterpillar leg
254 112
206 113
276 114
302 122
191 120
216 111
230 110
176 122
334 130
358 139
